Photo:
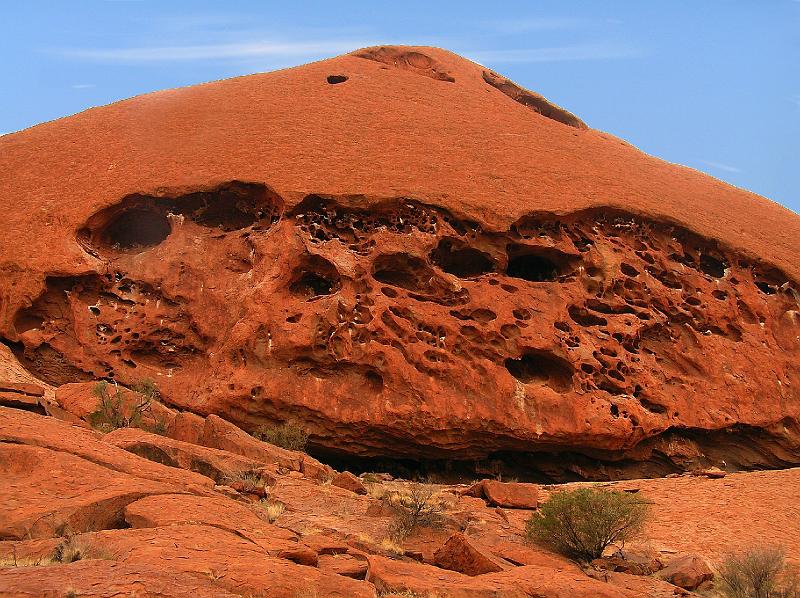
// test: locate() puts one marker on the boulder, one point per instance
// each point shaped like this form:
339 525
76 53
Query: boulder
687 571
349 482
511 495
461 554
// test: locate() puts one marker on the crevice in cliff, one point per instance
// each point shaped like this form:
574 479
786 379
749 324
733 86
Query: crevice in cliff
674 451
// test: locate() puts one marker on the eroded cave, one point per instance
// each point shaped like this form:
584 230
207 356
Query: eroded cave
461 261
314 277
538 264
541 367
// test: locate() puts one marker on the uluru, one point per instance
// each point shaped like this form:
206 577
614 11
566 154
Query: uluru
244 324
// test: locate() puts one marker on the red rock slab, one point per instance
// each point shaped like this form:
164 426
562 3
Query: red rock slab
401 576
510 495
215 432
216 464
349 482
32 390
15 400
104 578
466 556
313 508
238 565
325 545
344 564
45 492
36 430
223 513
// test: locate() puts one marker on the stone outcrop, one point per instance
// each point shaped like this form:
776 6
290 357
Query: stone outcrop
506 302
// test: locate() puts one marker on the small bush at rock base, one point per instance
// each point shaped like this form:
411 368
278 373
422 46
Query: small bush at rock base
288 435
581 523
420 507
758 573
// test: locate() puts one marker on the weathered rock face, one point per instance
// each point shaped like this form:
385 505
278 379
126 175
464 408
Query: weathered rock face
430 287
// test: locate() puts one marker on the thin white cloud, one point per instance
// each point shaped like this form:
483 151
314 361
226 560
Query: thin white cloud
186 53
556 54
83 86
512 26
795 99
721 166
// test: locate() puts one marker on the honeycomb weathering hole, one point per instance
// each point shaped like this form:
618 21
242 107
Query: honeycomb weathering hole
314 278
136 228
542 367
464 262
334 79
404 271
138 221
538 264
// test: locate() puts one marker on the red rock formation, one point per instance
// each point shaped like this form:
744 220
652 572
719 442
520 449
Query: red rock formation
414 258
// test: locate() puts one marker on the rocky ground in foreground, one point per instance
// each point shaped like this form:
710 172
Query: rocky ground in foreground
205 509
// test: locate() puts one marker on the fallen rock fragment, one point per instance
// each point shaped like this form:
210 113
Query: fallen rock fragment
461 554
687 571
510 495
349 482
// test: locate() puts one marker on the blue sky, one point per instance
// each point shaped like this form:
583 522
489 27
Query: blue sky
712 84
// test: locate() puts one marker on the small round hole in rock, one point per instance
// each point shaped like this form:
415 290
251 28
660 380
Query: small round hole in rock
334 79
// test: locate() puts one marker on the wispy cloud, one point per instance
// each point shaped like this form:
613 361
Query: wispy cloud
512 26
721 166
605 51
183 53
83 86
795 99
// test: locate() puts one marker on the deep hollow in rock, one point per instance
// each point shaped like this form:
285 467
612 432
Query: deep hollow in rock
335 79
541 367
315 277
136 228
138 221
464 262
404 271
538 264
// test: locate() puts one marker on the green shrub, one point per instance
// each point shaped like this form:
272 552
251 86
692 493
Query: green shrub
288 435
117 408
581 523
758 573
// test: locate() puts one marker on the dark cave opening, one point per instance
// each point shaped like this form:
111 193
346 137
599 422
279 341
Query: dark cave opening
136 228
315 277
542 367
464 262
538 264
